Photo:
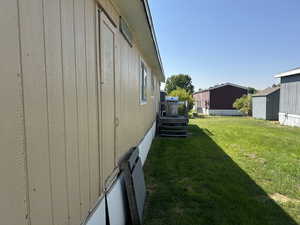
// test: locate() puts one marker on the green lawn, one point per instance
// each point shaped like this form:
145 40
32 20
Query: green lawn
229 171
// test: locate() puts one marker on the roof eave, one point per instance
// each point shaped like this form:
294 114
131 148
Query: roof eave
254 96
234 85
266 94
153 35
223 85
288 73
198 92
138 16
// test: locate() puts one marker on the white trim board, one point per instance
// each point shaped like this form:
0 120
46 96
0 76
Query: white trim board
145 144
290 115
221 112
289 119
225 112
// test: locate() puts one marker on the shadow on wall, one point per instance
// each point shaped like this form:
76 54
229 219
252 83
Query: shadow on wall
193 181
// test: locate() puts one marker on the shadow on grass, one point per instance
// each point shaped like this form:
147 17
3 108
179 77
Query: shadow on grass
193 181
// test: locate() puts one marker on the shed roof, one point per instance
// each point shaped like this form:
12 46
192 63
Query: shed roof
266 92
222 85
289 73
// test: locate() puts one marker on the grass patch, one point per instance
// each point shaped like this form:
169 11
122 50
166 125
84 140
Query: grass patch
229 171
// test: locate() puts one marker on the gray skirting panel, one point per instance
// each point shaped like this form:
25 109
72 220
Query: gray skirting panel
131 167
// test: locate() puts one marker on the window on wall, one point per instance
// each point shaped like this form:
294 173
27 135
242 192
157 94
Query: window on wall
143 81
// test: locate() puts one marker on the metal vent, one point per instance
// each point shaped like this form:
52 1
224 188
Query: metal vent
124 29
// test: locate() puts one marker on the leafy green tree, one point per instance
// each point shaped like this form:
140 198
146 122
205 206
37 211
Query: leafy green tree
275 85
244 104
183 96
251 90
181 80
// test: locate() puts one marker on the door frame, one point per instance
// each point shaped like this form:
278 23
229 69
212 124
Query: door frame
102 16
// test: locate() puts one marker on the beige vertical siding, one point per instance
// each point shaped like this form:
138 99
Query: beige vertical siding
55 108
92 99
124 105
13 205
36 111
70 108
60 101
81 78
51 163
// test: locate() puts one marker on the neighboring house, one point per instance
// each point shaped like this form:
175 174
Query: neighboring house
265 104
289 110
79 85
218 100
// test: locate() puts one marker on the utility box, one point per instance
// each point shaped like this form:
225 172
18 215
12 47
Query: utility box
172 109
172 105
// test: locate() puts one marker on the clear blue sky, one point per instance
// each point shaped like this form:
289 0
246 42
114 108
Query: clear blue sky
239 41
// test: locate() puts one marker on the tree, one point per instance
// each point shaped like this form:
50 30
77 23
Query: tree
275 85
183 96
181 80
244 104
251 90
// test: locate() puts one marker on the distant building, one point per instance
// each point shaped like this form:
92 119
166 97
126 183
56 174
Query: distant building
289 110
265 104
218 100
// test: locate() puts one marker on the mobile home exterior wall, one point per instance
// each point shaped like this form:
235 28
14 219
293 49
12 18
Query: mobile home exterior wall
290 95
290 100
54 165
